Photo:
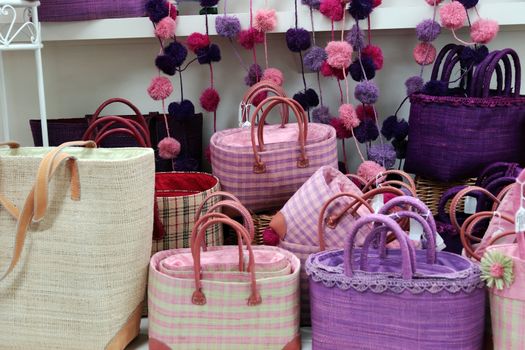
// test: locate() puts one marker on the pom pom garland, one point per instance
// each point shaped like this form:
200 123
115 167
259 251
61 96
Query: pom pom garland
414 84
383 154
321 115
473 55
301 98
356 71
326 70
376 3
453 15
208 54
314 58
369 170
484 30
160 88
375 54
265 20
298 39
270 237
341 131
348 116
250 37
157 10
435 88
365 112
433 2
355 37
227 26
166 64
424 54
210 100
181 111
177 51
274 75
339 54
401 130
468 4
401 148
366 131
173 11
169 148
366 92
165 29
209 3
333 9
312 98
197 41
428 30
360 9
389 126
254 75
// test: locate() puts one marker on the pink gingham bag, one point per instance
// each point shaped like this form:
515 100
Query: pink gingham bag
263 165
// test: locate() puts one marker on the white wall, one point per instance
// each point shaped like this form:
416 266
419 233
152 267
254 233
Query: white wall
80 75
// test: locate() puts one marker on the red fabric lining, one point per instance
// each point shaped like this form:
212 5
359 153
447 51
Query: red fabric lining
182 184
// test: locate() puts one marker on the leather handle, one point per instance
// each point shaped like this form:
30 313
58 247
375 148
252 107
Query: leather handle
10 144
410 184
220 194
106 103
128 126
460 195
502 195
254 90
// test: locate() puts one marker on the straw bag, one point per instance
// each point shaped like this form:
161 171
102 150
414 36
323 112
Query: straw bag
77 274
396 298
223 298
264 165
454 137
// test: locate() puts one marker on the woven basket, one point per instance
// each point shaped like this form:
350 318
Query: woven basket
261 222
430 192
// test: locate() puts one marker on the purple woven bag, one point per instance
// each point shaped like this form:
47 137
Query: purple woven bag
404 299
455 137
83 10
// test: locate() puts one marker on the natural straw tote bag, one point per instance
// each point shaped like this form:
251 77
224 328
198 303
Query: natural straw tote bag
224 297
264 165
394 299
77 268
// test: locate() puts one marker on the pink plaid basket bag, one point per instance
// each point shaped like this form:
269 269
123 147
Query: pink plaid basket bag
263 165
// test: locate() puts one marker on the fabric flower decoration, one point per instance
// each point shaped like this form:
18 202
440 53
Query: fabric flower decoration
497 270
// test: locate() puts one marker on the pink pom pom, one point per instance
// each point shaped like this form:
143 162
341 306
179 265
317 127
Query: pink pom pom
265 20
453 15
198 41
274 75
326 70
433 2
169 148
332 9
339 54
160 88
484 30
348 116
250 37
210 99
165 29
270 237
375 54
369 170
424 54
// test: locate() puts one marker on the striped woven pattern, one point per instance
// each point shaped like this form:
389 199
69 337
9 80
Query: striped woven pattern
508 323
233 165
225 321
83 10
83 269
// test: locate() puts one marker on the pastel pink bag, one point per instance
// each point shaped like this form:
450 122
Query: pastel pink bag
263 165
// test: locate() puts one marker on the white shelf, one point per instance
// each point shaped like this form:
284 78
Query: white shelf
384 18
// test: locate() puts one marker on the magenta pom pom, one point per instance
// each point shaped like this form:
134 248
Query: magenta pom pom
261 96
169 148
414 84
348 116
428 30
339 54
265 20
270 237
433 2
424 54
333 9
298 39
321 115
254 75
453 15
173 11
384 154
366 92
210 100
366 131
160 88
314 58
365 112
376 3
274 75
355 37
197 41
341 131
326 70
360 9
375 54
227 26
369 170
250 37
469 3
484 30
165 29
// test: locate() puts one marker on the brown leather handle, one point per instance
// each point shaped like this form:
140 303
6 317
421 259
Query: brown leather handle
504 191
455 201
263 86
106 103
10 144
355 178
410 185
221 194
128 126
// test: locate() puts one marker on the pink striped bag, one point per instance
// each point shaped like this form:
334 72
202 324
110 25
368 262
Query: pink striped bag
223 297
264 165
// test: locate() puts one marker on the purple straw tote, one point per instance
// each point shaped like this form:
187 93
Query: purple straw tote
403 299
83 10
454 137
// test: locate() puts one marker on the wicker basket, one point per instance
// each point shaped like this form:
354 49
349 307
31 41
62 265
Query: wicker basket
261 221
430 192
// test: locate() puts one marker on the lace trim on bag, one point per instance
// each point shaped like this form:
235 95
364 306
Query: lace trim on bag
495 101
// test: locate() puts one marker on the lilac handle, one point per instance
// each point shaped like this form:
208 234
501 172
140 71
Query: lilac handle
491 67
496 170
479 74
406 265
439 59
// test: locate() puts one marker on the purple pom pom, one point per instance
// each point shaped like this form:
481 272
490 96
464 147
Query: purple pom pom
298 39
401 148
209 3
177 51
473 56
167 64
469 3
208 54
436 88
389 125
356 72
254 75
361 9
356 38
227 26
366 131
414 84
401 130
302 99
314 58
384 155
157 10
312 98
315 4
428 30
321 115
366 92
181 111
